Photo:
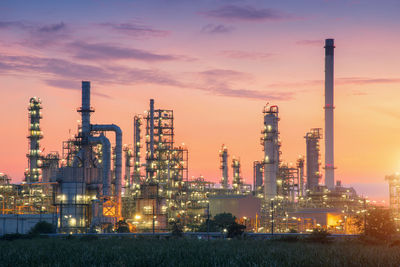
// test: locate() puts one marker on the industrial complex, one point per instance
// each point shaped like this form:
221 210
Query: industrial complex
98 181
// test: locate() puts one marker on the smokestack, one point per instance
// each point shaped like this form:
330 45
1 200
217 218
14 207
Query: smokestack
85 109
329 107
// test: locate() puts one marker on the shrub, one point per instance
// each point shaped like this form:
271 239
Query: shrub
235 230
122 227
177 229
319 236
379 224
42 227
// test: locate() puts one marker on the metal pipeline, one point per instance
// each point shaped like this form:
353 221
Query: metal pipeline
106 150
118 149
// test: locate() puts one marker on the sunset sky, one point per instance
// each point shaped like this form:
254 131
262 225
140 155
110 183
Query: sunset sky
216 64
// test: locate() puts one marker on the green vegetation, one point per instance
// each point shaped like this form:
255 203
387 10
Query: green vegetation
42 227
191 252
223 222
122 227
320 236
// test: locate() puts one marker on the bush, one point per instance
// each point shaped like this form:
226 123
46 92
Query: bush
380 224
319 236
235 230
177 229
42 227
122 227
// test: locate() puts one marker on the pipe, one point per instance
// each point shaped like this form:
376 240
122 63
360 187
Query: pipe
118 143
329 119
77 158
106 149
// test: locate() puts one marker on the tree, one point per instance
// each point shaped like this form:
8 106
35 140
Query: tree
379 224
177 229
122 227
43 227
235 230
223 222
320 236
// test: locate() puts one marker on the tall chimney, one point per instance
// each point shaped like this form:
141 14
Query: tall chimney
329 107
85 109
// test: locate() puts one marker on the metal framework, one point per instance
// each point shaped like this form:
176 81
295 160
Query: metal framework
223 154
313 158
35 134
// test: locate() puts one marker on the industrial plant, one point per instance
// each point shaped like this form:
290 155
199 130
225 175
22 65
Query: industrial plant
97 181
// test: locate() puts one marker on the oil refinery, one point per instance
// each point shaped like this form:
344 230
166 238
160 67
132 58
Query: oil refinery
98 181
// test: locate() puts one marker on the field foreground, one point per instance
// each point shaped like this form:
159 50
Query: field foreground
184 252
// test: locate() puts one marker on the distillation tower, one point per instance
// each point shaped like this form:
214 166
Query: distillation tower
223 154
271 144
313 157
237 181
300 167
128 164
35 134
137 145
257 177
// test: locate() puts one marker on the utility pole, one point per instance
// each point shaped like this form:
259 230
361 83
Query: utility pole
365 215
208 221
272 217
153 218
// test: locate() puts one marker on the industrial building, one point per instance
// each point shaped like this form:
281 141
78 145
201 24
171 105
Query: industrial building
86 189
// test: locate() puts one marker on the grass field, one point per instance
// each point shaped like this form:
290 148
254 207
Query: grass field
184 252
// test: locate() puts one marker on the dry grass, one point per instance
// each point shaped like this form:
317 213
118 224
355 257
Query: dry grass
184 252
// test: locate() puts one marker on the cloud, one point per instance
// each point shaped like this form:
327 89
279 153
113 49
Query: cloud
52 28
306 83
37 35
217 28
13 24
59 69
387 111
71 85
245 55
220 82
65 74
338 81
223 76
311 42
252 94
34 28
99 51
247 13
366 80
135 30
